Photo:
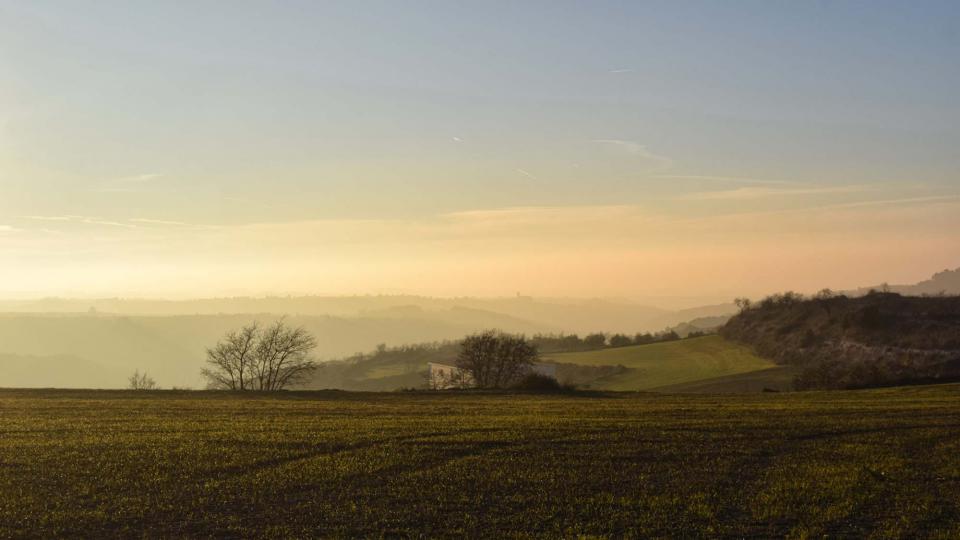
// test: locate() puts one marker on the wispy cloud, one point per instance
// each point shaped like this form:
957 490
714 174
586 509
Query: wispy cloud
756 192
54 218
621 70
906 201
147 221
140 178
127 184
86 220
636 149
8 229
829 209
539 212
728 179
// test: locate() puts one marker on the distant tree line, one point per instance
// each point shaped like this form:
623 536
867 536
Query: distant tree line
556 343
446 351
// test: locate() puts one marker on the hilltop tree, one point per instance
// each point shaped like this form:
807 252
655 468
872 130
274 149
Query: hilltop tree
643 339
495 359
256 358
141 381
595 341
620 340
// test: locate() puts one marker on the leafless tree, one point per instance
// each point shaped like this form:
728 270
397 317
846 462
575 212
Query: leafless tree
143 381
282 357
231 359
495 359
256 358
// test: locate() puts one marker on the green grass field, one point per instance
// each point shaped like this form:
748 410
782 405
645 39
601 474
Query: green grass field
881 463
670 363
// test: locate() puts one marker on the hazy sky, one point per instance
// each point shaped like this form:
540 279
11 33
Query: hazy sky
552 148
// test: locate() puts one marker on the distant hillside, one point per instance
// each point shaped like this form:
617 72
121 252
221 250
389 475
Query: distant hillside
57 371
946 282
705 325
645 367
385 369
842 342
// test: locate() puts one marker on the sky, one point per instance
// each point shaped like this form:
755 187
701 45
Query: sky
592 149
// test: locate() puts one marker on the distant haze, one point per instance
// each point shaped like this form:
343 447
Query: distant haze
98 343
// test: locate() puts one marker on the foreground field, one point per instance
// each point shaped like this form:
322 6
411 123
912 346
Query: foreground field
882 462
670 363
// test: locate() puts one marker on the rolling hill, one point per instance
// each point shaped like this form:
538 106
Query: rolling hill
649 367
642 367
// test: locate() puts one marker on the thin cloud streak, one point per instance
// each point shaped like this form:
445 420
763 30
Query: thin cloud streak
127 184
82 219
140 178
904 201
634 148
754 193
730 179
147 221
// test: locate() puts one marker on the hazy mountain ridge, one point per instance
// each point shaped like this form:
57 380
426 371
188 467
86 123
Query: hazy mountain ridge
567 315
944 282
57 371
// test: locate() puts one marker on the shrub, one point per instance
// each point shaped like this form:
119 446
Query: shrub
536 382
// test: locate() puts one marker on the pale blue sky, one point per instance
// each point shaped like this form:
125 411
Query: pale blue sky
117 114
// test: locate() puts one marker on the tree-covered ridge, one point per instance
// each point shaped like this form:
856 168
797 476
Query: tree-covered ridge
878 339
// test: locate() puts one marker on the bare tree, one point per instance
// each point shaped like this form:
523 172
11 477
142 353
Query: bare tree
495 359
256 358
231 359
143 381
282 356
